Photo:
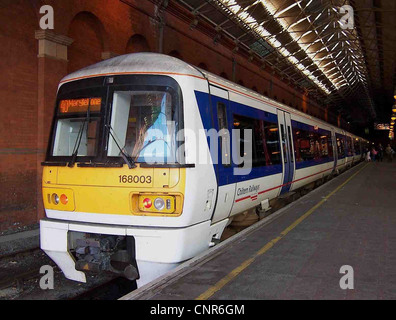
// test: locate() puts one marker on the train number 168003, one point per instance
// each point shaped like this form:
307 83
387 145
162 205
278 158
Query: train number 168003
134 179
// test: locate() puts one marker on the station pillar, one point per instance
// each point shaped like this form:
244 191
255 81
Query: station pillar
52 67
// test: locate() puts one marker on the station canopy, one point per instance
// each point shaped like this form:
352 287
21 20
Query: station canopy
340 52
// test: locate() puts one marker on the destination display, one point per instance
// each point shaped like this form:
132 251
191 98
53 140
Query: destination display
80 105
381 126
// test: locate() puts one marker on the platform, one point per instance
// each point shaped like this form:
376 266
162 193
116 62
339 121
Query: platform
297 252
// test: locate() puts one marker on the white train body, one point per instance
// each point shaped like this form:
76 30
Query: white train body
210 194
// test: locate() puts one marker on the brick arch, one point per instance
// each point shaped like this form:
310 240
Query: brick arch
176 54
89 37
137 43
224 75
203 66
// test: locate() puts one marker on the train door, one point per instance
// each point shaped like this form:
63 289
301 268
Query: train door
335 149
346 151
361 149
285 129
224 170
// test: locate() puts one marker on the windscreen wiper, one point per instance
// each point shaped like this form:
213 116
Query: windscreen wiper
126 157
77 145
78 140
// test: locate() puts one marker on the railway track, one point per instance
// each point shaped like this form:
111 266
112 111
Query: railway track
19 279
19 267
21 272
112 290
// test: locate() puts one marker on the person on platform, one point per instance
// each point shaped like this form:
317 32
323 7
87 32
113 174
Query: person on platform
368 157
373 154
389 153
380 154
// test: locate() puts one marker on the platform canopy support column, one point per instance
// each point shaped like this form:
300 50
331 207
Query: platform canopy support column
52 67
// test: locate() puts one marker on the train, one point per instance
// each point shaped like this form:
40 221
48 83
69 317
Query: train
135 179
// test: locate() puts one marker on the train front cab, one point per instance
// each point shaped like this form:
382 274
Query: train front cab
100 192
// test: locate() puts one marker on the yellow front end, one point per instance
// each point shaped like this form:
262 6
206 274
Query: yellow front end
142 191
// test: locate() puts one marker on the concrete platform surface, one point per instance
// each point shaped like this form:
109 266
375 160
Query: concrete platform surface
349 221
19 241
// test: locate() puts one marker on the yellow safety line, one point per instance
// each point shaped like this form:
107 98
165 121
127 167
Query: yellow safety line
234 273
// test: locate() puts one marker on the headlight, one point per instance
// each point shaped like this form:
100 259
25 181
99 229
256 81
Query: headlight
55 198
159 204
58 199
155 203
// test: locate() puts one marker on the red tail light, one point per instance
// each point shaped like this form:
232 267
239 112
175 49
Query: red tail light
147 203
63 199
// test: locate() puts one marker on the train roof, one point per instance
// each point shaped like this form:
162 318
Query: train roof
145 62
213 78
149 62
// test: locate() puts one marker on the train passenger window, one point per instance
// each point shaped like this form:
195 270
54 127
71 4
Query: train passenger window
356 146
142 124
290 141
272 142
265 144
243 124
283 142
340 146
312 144
350 147
330 145
304 145
223 134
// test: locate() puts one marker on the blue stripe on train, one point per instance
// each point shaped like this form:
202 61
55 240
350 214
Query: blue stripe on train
312 163
240 109
204 105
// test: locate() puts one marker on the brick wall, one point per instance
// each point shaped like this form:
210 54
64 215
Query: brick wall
29 83
18 119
